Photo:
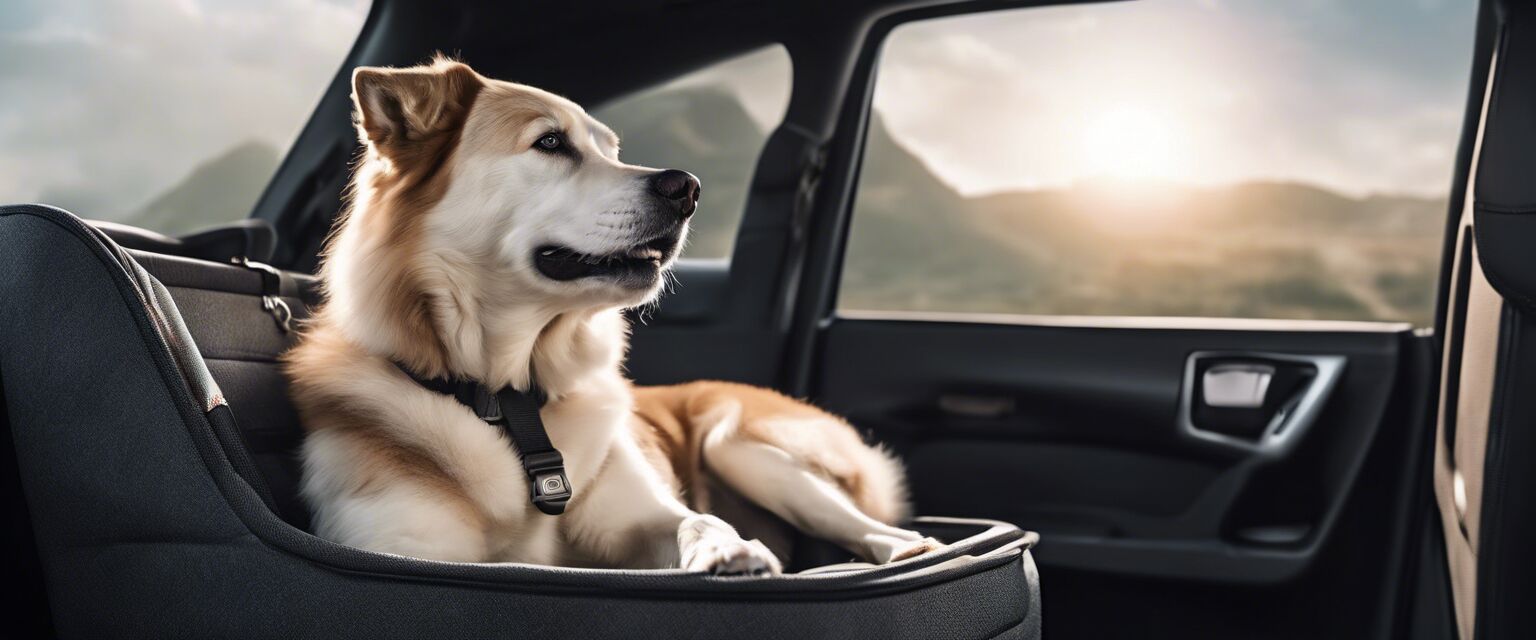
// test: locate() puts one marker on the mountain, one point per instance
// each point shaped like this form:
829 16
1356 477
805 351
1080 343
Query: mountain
705 131
1270 249
913 244
1106 247
220 189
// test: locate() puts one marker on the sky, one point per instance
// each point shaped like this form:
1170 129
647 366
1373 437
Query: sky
760 80
108 102
1358 96
111 101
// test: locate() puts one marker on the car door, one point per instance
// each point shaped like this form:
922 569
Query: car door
1155 280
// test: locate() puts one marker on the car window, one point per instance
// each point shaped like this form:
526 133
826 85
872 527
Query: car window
162 114
712 122
1215 158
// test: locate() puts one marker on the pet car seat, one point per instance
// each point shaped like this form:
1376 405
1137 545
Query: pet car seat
151 483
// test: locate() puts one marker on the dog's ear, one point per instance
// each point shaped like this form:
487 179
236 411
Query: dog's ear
399 109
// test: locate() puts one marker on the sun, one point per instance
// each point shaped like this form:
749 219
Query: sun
1133 143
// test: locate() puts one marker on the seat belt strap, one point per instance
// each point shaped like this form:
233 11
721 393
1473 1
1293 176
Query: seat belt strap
550 487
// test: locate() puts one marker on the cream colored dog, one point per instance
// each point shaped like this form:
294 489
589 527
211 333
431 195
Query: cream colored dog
494 235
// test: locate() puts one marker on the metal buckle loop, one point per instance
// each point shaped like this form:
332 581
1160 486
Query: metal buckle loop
550 487
271 295
280 312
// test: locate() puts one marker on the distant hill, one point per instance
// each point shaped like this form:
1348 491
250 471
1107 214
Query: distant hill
701 130
1256 249
915 243
220 189
1255 207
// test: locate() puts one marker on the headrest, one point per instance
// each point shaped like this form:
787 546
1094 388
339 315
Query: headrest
1504 193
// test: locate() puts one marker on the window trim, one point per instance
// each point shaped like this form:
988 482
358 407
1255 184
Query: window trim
1173 323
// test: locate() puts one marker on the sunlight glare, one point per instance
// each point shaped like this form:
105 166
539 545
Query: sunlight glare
1132 143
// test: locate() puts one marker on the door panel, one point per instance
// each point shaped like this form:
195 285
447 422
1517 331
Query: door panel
1075 432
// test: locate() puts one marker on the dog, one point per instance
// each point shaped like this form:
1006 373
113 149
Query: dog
492 234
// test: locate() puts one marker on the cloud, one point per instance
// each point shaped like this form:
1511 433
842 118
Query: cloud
760 79
1245 89
109 102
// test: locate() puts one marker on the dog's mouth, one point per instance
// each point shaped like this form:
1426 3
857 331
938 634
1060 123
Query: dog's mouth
637 266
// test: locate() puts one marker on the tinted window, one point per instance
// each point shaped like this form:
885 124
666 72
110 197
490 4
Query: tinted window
1225 158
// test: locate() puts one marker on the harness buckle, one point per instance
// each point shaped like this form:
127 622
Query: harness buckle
549 486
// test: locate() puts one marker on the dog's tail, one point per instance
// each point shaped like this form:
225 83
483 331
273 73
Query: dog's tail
879 486
818 441
870 475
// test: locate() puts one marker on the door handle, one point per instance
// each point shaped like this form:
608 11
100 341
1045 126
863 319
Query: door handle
1243 384
1236 385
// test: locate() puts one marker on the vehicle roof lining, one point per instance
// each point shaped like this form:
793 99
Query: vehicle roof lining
642 42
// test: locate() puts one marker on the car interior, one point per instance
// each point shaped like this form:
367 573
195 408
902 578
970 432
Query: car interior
1225 477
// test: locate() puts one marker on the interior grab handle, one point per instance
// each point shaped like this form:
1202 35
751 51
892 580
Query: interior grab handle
1236 385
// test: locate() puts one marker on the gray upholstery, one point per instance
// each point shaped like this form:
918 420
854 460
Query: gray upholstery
148 524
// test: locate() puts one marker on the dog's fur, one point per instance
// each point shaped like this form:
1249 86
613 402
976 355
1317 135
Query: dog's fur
445 264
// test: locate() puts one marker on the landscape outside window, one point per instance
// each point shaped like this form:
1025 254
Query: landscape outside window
1165 158
1216 158
166 114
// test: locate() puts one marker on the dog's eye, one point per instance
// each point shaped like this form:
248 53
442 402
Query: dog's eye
550 142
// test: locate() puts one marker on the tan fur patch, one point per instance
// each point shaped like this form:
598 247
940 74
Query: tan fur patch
507 111
413 138
663 434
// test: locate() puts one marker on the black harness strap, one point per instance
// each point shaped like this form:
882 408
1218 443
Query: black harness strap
517 414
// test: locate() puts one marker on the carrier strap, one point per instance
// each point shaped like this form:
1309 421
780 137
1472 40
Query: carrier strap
516 413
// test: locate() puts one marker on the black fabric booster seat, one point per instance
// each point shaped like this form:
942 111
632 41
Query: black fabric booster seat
152 488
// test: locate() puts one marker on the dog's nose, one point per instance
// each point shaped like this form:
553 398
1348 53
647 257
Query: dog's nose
679 186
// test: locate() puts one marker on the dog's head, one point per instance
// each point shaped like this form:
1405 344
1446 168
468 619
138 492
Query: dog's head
522 184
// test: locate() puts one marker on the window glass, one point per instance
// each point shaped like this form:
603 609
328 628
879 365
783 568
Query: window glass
1218 158
711 122
165 114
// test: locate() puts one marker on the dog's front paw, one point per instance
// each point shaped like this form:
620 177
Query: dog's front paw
882 549
709 544
732 558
